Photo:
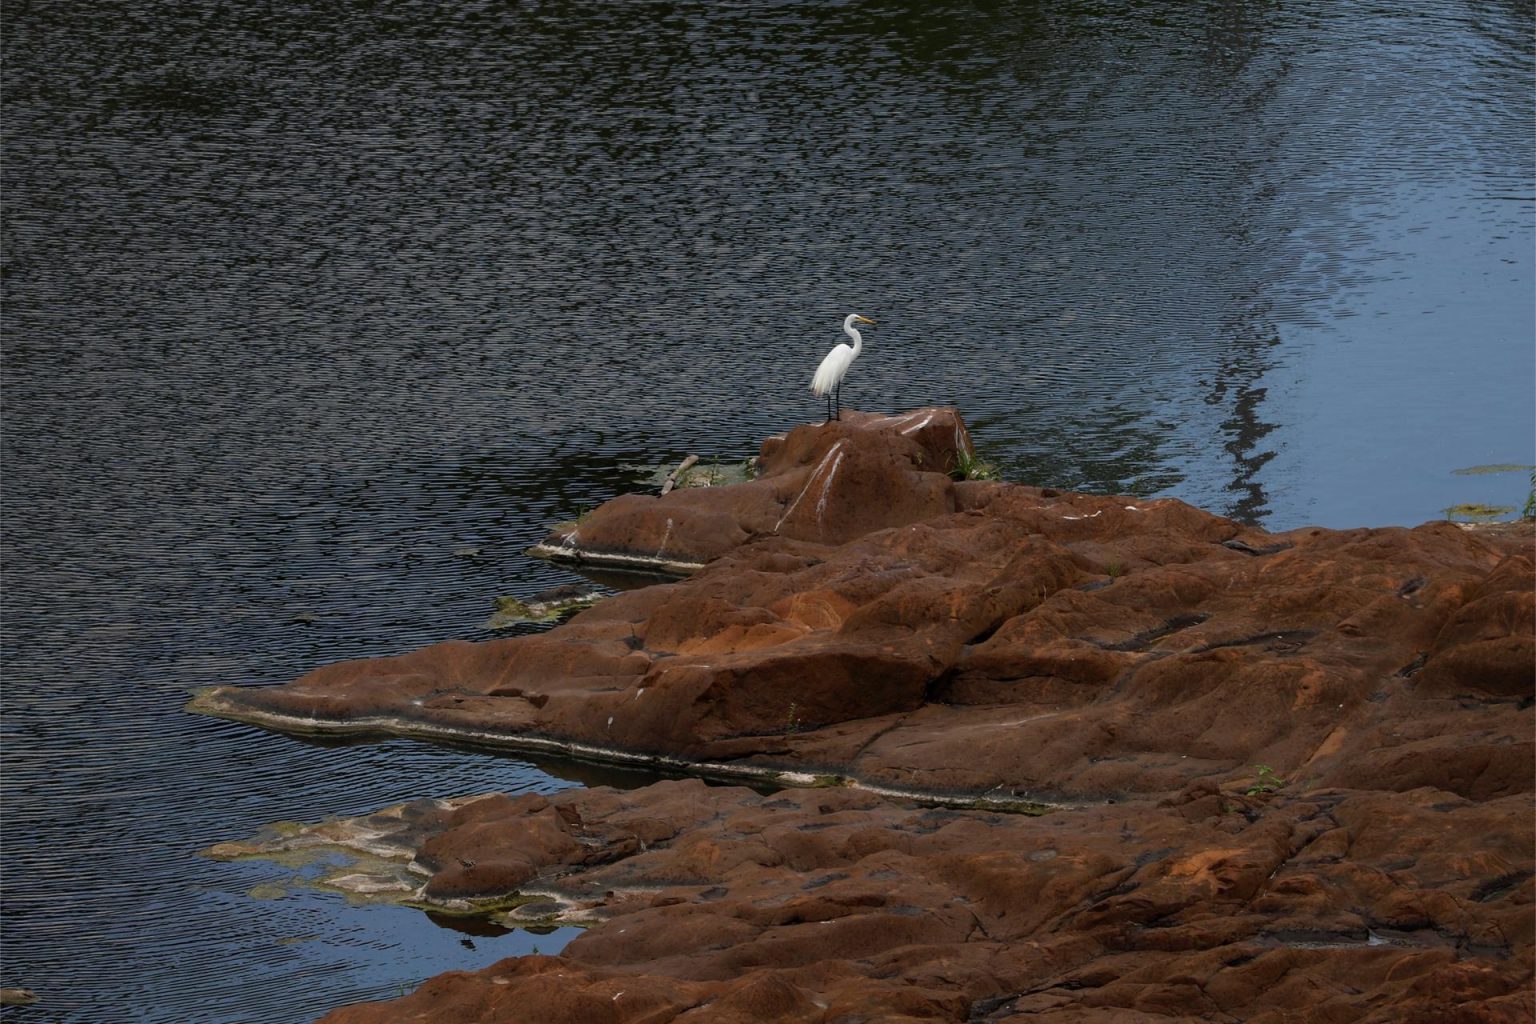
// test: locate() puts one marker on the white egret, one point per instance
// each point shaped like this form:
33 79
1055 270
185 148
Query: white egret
829 375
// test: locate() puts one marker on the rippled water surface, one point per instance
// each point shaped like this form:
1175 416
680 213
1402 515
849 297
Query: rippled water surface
315 315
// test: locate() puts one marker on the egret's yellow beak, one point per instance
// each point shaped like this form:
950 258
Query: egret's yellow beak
865 320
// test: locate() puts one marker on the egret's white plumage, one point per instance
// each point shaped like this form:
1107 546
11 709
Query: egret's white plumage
829 375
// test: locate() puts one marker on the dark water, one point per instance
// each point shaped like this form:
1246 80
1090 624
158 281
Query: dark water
316 314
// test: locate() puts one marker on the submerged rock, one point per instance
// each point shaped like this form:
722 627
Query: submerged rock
1478 511
694 471
554 603
1292 771
374 858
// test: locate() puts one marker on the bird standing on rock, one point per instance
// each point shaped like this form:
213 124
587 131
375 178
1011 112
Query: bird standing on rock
829 375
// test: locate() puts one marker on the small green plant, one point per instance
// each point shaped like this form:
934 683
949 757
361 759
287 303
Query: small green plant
1265 781
792 720
968 466
1114 569
1529 512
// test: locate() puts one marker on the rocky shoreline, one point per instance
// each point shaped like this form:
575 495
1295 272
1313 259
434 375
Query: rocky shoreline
1289 775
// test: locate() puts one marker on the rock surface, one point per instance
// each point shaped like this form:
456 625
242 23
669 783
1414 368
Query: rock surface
721 904
1046 646
826 483
1318 743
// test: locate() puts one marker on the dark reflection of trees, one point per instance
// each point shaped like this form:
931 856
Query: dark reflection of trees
1222 79
1234 37
676 162
1236 385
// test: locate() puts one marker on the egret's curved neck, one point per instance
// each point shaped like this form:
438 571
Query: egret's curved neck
852 332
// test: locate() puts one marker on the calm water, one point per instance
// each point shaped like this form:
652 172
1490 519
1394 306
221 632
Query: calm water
315 316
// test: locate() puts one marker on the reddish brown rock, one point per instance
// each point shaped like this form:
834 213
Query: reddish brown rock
835 905
1027 645
827 483
1295 769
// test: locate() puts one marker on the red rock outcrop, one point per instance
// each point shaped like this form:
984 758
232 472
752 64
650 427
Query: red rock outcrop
1028 643
1319 744
826 483
721 904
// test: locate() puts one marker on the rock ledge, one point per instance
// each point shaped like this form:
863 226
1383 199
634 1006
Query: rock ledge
1291 773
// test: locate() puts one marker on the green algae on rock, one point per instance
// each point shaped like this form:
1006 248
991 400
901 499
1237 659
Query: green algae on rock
1498 467
1477 510
693 471
371 859
545 606
354 857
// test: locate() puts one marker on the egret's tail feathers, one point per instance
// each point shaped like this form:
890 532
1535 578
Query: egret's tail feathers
832 369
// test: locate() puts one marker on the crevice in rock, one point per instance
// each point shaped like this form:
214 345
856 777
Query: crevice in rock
853 759
986 634
1147 637
1498 888
1249 549
1117 688
1283 639
935 690
984 1009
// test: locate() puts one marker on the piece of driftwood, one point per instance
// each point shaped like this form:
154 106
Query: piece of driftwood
677 474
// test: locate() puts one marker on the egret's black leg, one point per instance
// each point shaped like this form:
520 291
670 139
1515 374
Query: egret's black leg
829 407
839 391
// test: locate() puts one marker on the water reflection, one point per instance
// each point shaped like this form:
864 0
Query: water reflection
299 307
